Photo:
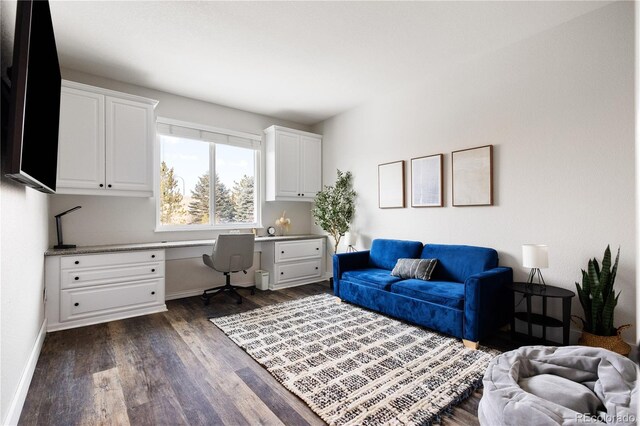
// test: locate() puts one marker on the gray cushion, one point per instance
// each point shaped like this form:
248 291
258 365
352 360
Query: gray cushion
414 268
611 377
562 391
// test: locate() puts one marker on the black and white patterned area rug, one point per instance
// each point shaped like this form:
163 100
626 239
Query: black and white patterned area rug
356 367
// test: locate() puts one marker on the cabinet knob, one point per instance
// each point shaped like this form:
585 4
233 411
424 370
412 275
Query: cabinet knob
317 248
153 270
153 256
153 292
303 195
298 195
282 252
76 304
77 278
316 267
77 262
109 186
281 273
101 185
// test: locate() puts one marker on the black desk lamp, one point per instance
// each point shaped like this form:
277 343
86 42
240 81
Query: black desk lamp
61 245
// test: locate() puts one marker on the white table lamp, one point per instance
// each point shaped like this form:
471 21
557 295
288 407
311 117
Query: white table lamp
350 241
535 256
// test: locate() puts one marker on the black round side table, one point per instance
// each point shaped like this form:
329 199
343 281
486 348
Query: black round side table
546 292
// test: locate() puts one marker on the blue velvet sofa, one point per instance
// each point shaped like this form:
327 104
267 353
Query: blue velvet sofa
466 297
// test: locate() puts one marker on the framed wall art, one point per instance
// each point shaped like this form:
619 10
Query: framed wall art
472 176
426 181
391 185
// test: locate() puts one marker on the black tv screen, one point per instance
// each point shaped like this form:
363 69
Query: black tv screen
34 112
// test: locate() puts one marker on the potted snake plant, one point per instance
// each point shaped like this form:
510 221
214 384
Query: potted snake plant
599 300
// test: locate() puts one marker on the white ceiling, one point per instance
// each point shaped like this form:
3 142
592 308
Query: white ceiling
302 61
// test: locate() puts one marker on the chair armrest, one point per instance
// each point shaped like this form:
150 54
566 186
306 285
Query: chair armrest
343 262
486 302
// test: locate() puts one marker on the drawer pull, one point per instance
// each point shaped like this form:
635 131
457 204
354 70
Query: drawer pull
153 256
153 292
77 262
77 278
281 273
317 248
76 304
153 270
303 195
316 267
101 185
109 186
282 252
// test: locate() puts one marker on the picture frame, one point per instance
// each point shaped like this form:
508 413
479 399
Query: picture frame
427 181
391 185
472 176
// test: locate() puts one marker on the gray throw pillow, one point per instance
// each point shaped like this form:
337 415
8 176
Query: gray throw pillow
414 268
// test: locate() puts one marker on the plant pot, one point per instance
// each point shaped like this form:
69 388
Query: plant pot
612 343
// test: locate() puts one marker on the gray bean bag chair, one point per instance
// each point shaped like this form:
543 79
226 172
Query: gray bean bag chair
573 385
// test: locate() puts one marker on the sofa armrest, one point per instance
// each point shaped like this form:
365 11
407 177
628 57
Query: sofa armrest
343 262
486 302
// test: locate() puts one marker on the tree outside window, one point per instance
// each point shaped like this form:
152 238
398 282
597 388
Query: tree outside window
186 187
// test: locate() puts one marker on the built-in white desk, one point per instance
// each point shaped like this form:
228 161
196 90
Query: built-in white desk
92 284
111 248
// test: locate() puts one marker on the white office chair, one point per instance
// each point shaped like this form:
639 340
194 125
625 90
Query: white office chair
231 253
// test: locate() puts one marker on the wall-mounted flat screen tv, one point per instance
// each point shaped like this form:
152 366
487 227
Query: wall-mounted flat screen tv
34 103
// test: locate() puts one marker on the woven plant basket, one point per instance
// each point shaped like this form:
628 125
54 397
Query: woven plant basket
612 343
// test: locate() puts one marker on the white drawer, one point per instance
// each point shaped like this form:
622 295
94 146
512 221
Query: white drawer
298 270
83 277
298 250
92 301
91 260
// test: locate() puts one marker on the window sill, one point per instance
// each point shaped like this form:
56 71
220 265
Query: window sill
192 228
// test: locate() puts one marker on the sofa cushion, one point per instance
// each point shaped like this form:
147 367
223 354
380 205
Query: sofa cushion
444 293
371 277
457 263
414 268
385 253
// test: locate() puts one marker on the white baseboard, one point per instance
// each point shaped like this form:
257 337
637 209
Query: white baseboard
198 291
195 292
15 409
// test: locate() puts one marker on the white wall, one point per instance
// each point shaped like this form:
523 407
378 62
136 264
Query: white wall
113 220
559 110
23 240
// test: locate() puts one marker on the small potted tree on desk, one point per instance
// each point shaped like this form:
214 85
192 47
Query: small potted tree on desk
598 300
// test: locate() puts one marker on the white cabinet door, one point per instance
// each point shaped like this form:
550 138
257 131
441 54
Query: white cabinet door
311 166
287 164
129 145
293 164
81 155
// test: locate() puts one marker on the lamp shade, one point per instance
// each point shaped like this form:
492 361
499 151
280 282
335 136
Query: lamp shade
349 238
535 256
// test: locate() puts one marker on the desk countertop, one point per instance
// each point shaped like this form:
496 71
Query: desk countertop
162 245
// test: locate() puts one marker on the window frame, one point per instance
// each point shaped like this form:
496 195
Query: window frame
258 178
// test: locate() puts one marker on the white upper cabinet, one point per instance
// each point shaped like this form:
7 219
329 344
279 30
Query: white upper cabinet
293 164
81 136
105 144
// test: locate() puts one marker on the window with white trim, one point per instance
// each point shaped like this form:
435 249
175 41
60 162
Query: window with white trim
208 178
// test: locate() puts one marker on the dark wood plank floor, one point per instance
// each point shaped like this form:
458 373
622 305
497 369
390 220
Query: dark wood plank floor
170 368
